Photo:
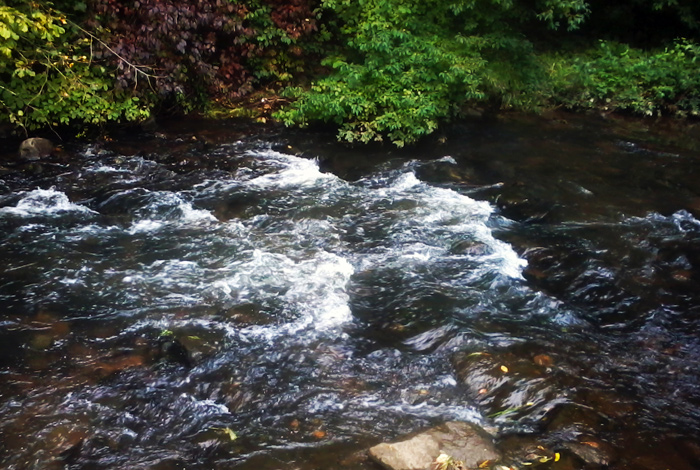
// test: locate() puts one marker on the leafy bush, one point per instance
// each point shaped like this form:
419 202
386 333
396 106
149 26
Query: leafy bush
388 69
194 50
48 75
118 59
408 64
617 77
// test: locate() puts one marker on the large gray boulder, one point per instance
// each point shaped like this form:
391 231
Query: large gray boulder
461 441
36 148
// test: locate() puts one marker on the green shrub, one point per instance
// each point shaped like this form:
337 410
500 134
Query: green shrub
49 77
406 65
616 77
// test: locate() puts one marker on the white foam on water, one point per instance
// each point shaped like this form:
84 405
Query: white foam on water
166 282
294 171
312 292
447 159
301 285
108 169
439 217
682 218
145 226
206 406
423 410
169 209
192 215
45 202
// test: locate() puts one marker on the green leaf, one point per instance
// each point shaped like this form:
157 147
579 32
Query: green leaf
5 32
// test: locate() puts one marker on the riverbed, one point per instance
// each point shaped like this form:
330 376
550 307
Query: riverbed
227 295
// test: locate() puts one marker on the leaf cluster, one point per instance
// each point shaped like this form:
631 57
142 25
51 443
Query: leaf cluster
95 61
617 77
406 65
200 50
48 75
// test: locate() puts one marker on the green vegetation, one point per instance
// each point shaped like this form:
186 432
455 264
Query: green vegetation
122 60
49 76
616 77
377 70
409 64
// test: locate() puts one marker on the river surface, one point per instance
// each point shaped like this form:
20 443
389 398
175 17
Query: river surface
230 296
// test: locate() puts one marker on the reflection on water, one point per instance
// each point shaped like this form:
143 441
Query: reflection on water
533 282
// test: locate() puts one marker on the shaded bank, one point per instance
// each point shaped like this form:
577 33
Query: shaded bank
385 70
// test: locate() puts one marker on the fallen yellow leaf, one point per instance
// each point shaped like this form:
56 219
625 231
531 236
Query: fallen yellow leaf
231 435
229 432
504 369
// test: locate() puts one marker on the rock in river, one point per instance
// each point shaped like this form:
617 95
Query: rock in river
461 441
35 148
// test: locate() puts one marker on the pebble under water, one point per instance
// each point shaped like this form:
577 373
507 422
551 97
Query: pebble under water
272 300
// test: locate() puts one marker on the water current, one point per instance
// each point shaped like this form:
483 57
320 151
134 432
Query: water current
271 300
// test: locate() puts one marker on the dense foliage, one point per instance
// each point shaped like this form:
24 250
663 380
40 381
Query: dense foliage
410 63
194 51
615 77
120 59
376 69
48 76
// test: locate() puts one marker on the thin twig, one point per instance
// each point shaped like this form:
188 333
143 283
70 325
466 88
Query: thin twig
137 68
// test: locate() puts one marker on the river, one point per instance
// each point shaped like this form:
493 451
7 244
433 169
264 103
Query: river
224 295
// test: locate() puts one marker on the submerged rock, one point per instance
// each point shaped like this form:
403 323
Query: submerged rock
170 349
36 148
461 441
592 453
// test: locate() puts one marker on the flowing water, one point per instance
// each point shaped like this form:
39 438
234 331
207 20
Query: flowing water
268 299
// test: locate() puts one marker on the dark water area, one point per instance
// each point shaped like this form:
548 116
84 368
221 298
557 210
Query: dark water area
223 295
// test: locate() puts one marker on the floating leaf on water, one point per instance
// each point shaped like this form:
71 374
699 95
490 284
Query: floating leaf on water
231 435
474 354
319 434
557 456
485 463
229 432
504 369
503 412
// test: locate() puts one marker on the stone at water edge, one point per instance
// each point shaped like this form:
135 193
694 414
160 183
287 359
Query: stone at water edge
36 148
461 441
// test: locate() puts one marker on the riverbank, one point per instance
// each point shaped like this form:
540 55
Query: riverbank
384 71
